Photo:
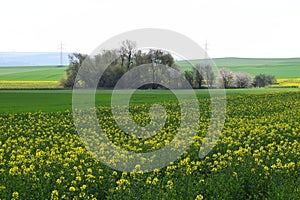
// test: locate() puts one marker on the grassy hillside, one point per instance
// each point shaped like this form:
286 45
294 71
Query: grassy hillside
279 67
32 73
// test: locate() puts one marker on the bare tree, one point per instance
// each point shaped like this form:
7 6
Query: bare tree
226 78
242 80
122 52
127 50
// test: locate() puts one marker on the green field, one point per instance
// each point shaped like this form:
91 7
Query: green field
16 101
32 73
279 67
42 155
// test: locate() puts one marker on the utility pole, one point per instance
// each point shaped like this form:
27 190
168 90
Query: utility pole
206 50
61 48
206 54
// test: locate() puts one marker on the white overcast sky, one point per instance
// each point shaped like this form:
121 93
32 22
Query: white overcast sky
237 28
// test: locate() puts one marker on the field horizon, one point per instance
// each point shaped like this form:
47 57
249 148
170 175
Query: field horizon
281 68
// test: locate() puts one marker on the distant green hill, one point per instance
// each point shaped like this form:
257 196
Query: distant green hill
279 67
32 73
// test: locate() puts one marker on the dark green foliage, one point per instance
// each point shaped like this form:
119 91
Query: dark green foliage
263 80
199 74
75 62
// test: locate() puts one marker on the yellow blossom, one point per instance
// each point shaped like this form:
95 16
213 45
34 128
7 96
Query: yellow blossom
72 189
199 197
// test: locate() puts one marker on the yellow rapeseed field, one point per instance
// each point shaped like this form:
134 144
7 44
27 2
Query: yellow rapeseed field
289 82
29 84
256 157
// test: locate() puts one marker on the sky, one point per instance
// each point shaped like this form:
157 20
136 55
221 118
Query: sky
232 28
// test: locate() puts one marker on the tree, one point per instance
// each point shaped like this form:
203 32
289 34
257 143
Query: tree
242 80
198 75
141 58
127 51
159 57
263 80
75 62
226 78
209 75
111 76
195 76
189 76
121 60
95 66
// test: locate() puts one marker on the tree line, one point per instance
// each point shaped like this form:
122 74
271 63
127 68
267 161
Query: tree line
127 57
225 78
121 61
